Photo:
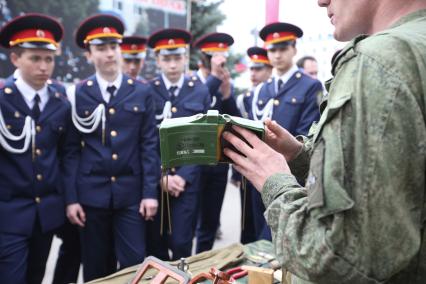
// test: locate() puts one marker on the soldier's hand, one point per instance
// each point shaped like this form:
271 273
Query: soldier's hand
281 140
148 208
76 215
217 65
258 162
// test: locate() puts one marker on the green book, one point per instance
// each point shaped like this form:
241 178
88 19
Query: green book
197 140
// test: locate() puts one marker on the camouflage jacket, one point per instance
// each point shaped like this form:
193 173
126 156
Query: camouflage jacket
360 218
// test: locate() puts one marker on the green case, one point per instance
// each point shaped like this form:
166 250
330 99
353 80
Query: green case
197 140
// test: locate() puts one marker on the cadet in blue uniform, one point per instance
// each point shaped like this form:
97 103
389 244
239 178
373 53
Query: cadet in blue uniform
214 51
176 95
289 97
260 71
133 51
36 153
118 173
68 262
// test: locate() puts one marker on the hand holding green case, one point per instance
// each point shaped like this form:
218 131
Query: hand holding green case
197 140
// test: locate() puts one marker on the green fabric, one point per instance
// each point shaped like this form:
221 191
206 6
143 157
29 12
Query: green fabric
360 217
260 253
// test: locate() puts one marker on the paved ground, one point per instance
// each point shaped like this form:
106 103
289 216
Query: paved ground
230 227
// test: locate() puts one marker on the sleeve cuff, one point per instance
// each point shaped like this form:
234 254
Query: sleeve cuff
299 166
276 185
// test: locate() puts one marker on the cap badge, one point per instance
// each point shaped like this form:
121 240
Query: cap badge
171 42
276 35
255 56
134 47
221 45
106 30
40 33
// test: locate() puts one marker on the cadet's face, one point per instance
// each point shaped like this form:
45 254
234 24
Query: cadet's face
35 66
106 58
282 58
311 68
259 75
132 67
350 18
172 66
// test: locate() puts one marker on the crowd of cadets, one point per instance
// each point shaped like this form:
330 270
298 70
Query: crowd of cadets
83 164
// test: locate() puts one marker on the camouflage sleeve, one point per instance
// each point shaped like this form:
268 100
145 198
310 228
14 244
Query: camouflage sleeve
299 166
359 219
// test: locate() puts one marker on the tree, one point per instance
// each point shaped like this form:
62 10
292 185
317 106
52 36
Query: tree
205 17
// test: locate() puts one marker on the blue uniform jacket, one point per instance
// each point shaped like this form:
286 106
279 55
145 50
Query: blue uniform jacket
125 169
227 106
30 188
193 98
295 106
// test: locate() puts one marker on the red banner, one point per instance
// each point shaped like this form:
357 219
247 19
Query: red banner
272 11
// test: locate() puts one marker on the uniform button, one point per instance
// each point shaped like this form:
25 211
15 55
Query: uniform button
113 133
276 102
39 177
38 128
174 109
9 126
60 128
260 102
37 199
113 179
114 157
38 152
82 143
86 113
173 170
293 100
135 108
17 114
298 75
112 111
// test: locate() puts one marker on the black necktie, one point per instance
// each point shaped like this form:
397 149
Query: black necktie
280 84
172 91
36 107
111 91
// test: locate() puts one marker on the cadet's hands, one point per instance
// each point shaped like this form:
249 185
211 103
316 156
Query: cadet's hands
225 87
175 185
76 215
148 208
260 161
217 63
281 140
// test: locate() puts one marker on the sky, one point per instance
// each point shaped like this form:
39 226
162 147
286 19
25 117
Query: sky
245 15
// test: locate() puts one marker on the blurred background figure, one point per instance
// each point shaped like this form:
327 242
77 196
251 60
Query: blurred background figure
133 51
309 65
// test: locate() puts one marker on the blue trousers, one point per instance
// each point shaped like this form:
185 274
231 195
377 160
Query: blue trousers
23 258
213 186
110 236
183 217
69 256
262 231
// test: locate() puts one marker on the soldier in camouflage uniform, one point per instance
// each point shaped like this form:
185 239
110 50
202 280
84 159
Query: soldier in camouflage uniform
361 216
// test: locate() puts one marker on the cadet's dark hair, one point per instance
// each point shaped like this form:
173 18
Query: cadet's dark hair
206 60
17 50
301 62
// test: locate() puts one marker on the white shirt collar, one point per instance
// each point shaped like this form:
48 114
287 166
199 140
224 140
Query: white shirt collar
178 84
286 76
201 76
104 84
16 74
29 93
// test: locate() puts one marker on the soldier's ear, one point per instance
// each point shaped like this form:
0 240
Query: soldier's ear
14 58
